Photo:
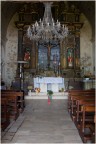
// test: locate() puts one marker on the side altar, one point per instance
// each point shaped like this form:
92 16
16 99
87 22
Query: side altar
49 83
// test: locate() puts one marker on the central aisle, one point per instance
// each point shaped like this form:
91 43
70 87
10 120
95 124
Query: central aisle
46 123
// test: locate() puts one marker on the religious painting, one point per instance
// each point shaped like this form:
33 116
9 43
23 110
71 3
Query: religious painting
70 57
27 57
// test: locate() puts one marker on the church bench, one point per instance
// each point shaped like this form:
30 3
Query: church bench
75 100
12 106
92 128
89 104
18 94
7 90
87 107
74 105
95 117
78 92
87 122
5 121
91 135
81 100
75 90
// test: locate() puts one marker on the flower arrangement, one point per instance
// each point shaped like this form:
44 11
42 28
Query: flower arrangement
30 87
49 92
37 90
61 90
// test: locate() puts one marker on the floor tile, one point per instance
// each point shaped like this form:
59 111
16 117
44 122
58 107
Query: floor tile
45 123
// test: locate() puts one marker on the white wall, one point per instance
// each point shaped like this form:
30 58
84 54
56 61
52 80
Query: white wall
86 46
11 51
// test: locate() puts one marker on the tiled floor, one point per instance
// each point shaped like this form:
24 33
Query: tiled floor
44 123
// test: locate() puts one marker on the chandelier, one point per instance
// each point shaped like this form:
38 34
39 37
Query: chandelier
47 29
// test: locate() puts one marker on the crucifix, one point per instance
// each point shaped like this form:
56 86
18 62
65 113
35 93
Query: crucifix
49 46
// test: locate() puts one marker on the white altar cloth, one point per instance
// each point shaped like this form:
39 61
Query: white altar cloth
50 80
49 83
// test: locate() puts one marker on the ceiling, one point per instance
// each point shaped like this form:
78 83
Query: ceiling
9 8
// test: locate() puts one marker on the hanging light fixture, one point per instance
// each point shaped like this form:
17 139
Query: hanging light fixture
47 29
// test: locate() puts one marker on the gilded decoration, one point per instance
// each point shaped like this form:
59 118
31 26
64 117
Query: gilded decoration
68 49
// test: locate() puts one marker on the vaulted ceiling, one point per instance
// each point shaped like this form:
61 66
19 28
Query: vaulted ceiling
9 8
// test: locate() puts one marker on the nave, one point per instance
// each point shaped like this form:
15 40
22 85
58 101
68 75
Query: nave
43 123
48 47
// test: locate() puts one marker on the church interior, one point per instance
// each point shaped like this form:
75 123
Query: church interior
48 71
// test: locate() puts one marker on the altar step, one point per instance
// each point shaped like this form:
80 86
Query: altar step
41 95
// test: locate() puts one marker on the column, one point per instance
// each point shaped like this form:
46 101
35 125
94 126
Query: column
61 54
77 45
37 64
20 40
20 57
33 55
77 50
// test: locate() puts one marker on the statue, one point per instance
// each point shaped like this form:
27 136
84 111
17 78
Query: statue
27 56
70 58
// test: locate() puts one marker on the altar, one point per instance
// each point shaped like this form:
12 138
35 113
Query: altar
49 83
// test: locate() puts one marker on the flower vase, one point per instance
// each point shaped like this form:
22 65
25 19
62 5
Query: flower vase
49 101
50 97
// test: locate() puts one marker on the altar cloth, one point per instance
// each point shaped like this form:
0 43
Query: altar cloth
49 83
50 80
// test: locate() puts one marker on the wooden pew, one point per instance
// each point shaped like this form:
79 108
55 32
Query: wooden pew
77 99
86 122
15 102
79 95
13 107
19 95
81 100
78 92
87 107
5 121
75 90
91 135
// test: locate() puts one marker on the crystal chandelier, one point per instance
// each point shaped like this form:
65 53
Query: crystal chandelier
47 29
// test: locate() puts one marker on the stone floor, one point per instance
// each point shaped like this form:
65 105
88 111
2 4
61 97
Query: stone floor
45 123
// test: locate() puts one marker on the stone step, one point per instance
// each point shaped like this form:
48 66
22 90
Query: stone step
58 95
